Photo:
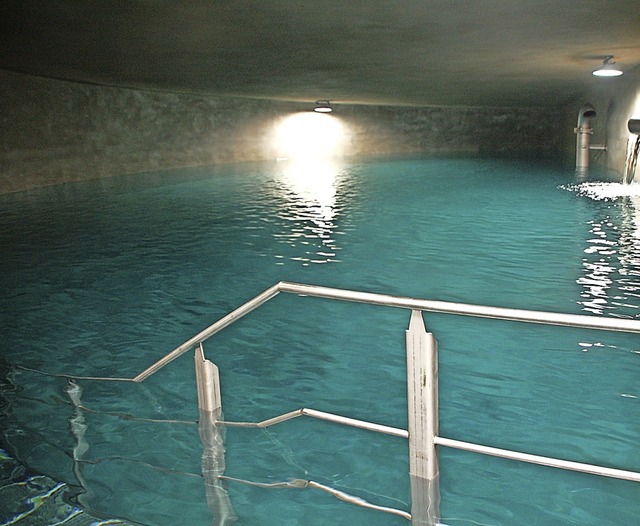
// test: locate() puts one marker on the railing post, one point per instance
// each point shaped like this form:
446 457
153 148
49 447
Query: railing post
207 382
213 461
422 393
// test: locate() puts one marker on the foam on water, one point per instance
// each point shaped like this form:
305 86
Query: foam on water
603 191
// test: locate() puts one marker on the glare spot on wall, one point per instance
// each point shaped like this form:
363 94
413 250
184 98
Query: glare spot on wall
309 145
309 135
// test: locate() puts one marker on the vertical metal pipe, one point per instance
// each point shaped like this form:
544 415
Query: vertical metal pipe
422 394
584 131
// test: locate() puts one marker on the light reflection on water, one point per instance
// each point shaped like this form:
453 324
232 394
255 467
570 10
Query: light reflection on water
94 294
308 188
611 262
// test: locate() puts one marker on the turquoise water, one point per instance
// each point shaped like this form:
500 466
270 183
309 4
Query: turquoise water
103 278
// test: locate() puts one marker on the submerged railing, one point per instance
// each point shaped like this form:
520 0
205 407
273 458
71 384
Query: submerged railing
422 396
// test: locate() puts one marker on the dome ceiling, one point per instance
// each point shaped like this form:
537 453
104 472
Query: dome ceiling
416 52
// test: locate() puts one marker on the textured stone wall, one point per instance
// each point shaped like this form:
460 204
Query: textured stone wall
487 131
54 131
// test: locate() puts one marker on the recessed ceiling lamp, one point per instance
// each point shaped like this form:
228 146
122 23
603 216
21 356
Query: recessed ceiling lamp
323 106
608 69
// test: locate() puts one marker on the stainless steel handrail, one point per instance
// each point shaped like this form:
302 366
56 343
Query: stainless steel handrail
422 376
568 465
320 415
445 307
227 320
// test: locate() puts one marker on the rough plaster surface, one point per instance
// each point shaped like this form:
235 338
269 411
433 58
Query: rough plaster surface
54 131
58 131
488 131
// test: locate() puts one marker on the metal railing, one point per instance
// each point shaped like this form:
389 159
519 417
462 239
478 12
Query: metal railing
478 311
422 387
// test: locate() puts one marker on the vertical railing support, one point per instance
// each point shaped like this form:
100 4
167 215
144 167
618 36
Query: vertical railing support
207 382
422 391
213 460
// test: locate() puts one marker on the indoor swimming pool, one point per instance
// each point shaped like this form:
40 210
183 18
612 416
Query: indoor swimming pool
103 278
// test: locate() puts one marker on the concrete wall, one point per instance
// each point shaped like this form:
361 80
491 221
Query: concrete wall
487 131
53 131
616 100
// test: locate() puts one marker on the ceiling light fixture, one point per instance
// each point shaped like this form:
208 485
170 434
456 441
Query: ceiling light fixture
608 69
323 106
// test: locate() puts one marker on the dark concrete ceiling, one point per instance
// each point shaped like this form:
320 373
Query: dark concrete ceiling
418 52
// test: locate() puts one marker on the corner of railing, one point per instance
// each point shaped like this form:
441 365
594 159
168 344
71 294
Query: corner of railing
223 322
286 286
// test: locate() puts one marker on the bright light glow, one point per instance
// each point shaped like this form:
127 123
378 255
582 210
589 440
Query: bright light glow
309 136
608 72
309 193
608 69
310 144
323 106
313 182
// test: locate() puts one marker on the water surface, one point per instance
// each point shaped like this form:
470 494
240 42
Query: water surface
103 278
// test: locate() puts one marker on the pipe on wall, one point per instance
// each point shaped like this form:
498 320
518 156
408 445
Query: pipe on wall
633 150
584 131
